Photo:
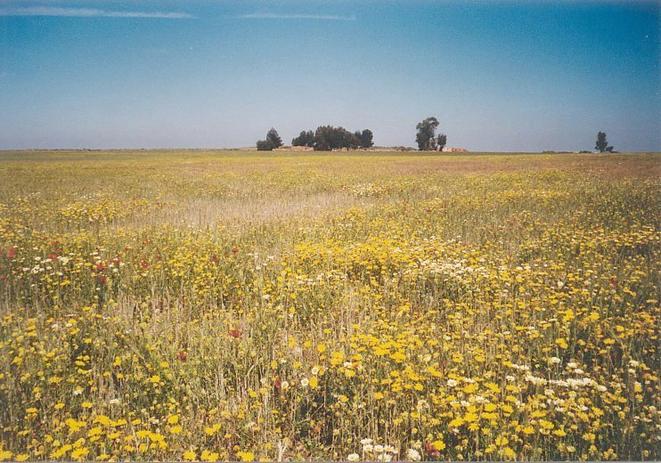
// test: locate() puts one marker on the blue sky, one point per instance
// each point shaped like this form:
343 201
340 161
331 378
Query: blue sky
499 75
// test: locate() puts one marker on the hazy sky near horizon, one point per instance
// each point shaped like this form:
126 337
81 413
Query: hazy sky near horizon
499 75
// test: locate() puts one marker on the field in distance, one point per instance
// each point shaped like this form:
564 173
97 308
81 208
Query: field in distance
226 305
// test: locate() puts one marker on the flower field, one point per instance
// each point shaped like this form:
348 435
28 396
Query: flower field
208 306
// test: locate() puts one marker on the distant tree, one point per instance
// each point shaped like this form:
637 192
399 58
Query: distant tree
441 141
273 138
327 138
425 136
357 139
602 143
305 138
272 141
366 137
350 140
323 138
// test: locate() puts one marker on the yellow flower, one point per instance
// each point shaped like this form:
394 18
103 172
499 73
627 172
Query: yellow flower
209 456
212 430
74 425
546 424
490 407
189 455
508 453
173 419
501 441
469 388
22 457
314 382
337 358
175 429
438 444
246 456
103 420
455 423
80 453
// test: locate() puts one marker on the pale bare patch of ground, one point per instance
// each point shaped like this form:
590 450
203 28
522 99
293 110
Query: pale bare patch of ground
251 212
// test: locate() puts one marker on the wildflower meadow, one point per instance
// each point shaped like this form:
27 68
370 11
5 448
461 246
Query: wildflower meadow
211 306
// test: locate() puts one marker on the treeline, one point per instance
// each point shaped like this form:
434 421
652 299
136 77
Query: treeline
328 138
325 138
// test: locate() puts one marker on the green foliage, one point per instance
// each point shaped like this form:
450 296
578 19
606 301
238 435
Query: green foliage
366 137
273 138
305 138
328 137
272 141
426 133
602 143
441 141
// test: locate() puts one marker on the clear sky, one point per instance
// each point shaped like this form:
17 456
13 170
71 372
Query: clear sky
499 75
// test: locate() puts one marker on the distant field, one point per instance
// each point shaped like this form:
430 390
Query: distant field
226 305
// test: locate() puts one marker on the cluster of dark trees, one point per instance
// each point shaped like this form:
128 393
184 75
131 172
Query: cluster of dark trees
325 138
426 137
272 141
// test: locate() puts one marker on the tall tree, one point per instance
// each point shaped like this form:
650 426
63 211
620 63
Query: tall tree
602 143
273 138
425 136
366 137
441 141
